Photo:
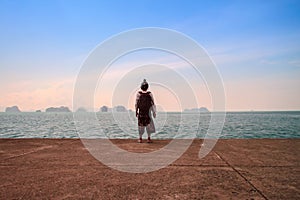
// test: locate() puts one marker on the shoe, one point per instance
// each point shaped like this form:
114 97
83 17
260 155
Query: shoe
149 140
140 141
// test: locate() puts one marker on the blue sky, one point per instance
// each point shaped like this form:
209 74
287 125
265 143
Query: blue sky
255 44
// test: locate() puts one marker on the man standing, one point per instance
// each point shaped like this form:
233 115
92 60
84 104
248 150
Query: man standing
143 106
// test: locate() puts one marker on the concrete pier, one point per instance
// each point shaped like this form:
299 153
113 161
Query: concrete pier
234 169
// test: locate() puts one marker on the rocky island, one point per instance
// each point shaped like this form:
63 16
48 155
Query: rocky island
201 110
58 109
13 109
81 109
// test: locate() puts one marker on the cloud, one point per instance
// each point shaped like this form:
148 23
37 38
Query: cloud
268 62
295 63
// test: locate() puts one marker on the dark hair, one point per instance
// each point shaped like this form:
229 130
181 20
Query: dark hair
144 87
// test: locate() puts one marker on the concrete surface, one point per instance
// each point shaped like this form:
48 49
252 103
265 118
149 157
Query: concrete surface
235 169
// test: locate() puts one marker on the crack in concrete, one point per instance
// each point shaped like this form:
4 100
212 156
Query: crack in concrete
29 152
249 182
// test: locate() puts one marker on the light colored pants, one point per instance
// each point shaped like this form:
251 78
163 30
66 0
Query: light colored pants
150 129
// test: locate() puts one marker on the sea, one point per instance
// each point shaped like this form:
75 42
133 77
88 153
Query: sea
168 125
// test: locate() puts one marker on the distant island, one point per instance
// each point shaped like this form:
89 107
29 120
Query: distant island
202 110
118 108
81 109
13 109
58 109
103 109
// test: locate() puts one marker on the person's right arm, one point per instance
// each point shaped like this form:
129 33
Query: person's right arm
153 107
136 102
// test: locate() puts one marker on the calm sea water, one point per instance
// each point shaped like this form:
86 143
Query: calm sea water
168 125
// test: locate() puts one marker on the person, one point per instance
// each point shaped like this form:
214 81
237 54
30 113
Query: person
143 106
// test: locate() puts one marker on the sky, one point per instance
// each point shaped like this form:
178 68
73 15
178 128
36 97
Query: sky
255 46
